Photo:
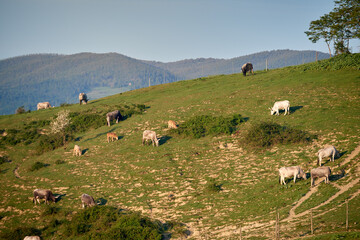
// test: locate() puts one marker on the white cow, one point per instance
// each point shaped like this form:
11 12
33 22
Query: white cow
295 171
43 105
327 152
32 238
280 105
150 135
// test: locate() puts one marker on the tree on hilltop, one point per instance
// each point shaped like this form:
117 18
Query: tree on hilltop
338 26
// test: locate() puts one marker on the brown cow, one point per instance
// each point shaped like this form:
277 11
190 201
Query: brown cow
111 136
172 124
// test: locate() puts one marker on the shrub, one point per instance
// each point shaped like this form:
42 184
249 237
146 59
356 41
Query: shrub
81 122
103 222
201 126
37 166
59 162
50 142
19 233
4 159
266 134
213 187
20 110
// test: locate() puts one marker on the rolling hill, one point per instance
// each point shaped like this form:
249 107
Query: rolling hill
27 80
205 187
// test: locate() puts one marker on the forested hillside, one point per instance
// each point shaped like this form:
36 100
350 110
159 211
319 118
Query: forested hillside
27 80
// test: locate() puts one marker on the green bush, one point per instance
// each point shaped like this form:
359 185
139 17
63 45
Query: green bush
19 233
213 187
81 122
37 166
50 142
342 61
201 126
4 159
59 162
266 134
102 222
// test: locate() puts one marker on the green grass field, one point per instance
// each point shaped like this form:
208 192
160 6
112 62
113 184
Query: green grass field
175 181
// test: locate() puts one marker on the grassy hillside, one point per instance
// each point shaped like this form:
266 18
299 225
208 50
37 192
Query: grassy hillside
27 80
208 186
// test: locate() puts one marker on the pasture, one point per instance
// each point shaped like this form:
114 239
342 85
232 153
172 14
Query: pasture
213 184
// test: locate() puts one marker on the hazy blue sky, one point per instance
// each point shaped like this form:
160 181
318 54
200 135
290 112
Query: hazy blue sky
162 30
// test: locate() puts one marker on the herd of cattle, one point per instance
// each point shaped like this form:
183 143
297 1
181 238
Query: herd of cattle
284 172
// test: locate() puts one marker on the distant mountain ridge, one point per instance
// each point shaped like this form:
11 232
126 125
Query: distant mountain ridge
27 80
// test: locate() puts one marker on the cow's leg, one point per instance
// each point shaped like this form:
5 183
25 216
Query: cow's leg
143 141
294 178
320 161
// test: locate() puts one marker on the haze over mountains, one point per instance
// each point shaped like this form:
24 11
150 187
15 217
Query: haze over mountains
27 80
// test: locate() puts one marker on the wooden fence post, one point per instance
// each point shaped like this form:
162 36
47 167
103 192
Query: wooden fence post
347 215
311 222
240 232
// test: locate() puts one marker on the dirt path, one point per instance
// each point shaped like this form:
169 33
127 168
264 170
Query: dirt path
16 172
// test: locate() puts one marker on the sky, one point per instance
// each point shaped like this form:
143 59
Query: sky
160 30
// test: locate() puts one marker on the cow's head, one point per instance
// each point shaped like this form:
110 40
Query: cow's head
272 111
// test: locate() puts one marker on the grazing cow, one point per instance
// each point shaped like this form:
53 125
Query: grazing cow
247 67
43 105
83 97
32 238
172 124
77 151
111 136
43 194
150 135
327 152
113 115
320 172
87 200
280 105
295 171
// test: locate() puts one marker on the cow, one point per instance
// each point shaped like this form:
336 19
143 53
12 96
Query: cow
327 152
320 172
43 194
111 136
32 238
43 105
247 67
77 151
83 98
113 115
87 200
295 171
150 135
280 105
172 124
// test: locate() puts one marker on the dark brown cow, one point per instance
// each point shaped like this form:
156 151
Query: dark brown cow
247 67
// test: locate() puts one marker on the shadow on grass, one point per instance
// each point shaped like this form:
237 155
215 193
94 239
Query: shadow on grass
164 139
295 108
101 201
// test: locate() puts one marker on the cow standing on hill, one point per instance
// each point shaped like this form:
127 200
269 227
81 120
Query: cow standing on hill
320 172
83 98
77 151
295 171
172 124
280 105
87 200
111 136
43 194
43 105
327 152
150 135
247 67
113 115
